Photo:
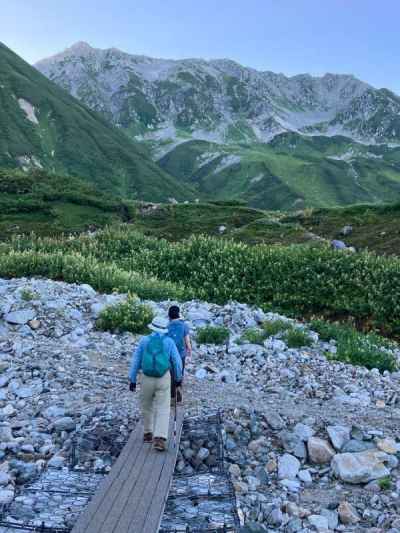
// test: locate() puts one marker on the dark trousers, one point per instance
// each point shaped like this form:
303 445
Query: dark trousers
173 386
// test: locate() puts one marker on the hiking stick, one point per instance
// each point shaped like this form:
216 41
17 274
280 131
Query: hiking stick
175 402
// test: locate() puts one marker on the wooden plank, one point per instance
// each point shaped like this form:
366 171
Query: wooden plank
155 510
106 519
146 489
131 498
136 489
130 451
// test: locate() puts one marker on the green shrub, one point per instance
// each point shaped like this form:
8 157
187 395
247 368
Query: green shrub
212 335
297 281
385 483
369 350
254 336
274 327
327 331
27 295
295 337
75 268
130 315
363 350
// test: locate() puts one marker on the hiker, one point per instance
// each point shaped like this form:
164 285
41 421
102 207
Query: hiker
158 358
179 332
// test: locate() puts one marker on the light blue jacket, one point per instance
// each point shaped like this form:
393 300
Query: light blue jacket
170 348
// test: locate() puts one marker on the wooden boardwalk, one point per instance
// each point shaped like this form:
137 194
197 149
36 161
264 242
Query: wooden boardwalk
131 499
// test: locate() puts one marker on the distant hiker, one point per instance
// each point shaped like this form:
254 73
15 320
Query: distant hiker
158 358
179 332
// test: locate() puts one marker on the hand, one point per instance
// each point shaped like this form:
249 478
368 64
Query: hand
132 386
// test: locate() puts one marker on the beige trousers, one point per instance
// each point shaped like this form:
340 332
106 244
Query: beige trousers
156 404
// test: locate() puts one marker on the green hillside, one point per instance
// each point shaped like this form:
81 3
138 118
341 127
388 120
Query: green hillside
49 204
44 127
291 172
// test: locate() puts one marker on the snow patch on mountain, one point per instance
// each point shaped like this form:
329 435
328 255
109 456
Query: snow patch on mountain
29 110
227 161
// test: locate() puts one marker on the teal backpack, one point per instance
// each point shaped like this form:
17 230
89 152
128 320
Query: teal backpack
155 359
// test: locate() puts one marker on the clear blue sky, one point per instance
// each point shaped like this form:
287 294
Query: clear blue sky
290 36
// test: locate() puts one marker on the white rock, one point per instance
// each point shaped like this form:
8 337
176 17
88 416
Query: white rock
361 467
288 467
339 436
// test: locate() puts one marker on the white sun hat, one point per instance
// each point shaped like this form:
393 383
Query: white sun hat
159 324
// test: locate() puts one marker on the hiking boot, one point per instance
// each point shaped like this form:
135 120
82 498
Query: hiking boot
160 444
148 437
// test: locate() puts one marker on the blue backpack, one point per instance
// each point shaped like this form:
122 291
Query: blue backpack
155 358
176 330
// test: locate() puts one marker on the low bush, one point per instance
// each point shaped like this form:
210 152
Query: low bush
212 335
75 268
364 350
369 350
327 331
274 327
295 337
253 336
27 295
385 483
130 315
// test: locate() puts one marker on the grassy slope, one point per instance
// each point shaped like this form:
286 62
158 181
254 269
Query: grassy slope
72 140
48 204
376 228
290 172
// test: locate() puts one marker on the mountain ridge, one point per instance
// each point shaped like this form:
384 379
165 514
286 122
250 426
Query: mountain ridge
46 128
157 98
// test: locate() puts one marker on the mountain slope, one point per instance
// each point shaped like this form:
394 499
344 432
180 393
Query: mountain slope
220 100
44 127
290 172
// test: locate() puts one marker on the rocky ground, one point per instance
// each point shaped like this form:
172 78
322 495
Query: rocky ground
311 444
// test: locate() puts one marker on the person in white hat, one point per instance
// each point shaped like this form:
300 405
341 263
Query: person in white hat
159 360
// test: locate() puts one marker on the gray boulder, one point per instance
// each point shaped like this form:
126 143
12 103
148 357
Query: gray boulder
20 317
361 467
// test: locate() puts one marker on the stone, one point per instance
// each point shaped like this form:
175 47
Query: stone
339 436
275 518
388 446
303 432
288 467
58 462
201 374
319 522
347 513
20 317
338 245
319 450
203 453
305 477
275 421
291 484
234 470
6 496
293 444
271 466
34 324
360 467
5 479
9 410
294 525
355 445
65 423
5 433
346 230
332 517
